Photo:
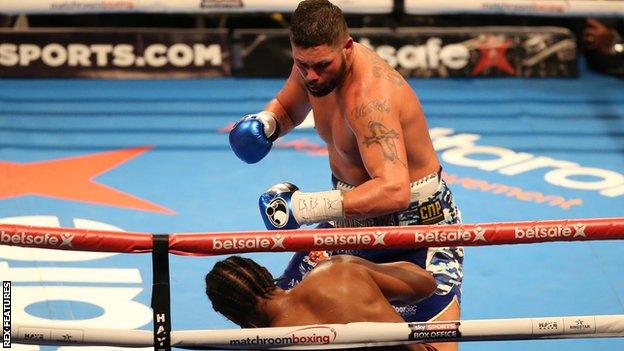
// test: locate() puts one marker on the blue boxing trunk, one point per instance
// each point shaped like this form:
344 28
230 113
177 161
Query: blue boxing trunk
431 203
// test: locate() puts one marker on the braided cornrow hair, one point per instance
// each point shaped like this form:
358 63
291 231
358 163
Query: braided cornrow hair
234 286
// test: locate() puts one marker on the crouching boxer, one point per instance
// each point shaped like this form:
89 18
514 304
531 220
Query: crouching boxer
342 289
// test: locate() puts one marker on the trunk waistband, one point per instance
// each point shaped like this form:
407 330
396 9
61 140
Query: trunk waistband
420 189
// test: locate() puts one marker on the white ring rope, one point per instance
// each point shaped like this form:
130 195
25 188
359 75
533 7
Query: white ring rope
335 336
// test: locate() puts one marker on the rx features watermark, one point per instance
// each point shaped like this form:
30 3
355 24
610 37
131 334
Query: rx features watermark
6 314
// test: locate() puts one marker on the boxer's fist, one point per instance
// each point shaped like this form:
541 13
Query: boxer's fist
276 209
252 137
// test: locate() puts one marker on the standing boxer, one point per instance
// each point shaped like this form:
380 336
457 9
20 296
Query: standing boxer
385 169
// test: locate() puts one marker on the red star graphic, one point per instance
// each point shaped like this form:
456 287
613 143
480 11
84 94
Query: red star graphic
72 179
492 54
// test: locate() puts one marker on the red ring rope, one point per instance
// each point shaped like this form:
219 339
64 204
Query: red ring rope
217 243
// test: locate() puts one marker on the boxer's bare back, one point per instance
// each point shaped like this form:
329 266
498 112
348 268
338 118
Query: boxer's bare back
344 289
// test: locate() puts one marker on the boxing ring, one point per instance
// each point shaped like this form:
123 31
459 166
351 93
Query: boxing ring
327 336
179 174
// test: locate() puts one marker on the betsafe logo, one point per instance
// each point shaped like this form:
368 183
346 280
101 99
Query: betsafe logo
373 239
450 236
551 231
255 242
37 240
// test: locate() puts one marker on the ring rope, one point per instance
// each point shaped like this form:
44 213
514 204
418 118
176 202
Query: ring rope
353 334
336 336
219 243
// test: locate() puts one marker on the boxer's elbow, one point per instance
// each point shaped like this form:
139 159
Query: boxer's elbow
397 196
421 284
426 288
428 285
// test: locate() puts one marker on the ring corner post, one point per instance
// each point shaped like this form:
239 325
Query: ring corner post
161 304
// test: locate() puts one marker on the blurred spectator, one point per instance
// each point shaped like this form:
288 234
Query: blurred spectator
605 47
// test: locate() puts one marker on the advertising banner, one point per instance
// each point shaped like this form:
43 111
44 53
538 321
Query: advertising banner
127 53
181 6
433 52
581 8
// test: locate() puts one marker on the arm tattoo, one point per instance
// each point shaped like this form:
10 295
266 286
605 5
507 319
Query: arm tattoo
385 138
381 69
364 109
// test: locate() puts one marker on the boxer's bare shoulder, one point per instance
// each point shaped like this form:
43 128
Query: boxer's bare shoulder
379 69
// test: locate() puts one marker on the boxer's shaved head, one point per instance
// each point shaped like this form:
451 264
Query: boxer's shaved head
317 22
234 287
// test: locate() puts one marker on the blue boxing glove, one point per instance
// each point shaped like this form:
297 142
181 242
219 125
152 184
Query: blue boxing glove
276 209
252 137
284 206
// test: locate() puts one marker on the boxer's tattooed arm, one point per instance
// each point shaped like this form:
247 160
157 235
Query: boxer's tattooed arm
364 109
386 139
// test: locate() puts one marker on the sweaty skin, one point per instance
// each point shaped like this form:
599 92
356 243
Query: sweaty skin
372 123
362 295
365 122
